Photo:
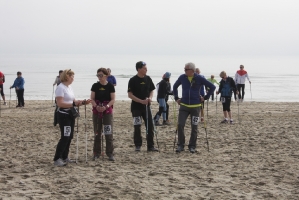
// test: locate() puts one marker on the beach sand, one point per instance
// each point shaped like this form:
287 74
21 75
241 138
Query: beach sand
255 158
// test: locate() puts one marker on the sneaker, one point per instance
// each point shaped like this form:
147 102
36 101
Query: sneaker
137 148
166 122
179 149
202 119
231 122
224 121
111 158
18 106
95 157
59 163
4 103
157 123
192 150
67 160
152 149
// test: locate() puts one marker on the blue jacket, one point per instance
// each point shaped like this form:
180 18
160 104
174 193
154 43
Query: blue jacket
191 91
19 82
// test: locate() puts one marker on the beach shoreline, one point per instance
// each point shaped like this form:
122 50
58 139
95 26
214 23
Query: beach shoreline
255 158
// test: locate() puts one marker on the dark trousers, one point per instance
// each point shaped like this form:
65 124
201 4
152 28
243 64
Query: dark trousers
66 124
148 121
103 126
241 86
20 94
226 103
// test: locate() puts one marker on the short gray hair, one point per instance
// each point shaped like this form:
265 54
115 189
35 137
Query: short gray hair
190 65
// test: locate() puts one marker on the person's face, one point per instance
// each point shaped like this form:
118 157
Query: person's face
109 71
241 68
224 77
212 77
188 71
197 71
143 70
71 79
19 75
101 76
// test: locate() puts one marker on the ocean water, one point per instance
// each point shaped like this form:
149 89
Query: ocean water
273 78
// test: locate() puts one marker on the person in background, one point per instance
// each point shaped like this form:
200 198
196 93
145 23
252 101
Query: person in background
163 90
2 80
190 104
102 100
212 80
226 88
65 99
57 79
141 90
202 93
240 78
19 85
111 79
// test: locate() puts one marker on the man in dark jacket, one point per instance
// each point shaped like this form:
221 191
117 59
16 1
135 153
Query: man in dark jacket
190 103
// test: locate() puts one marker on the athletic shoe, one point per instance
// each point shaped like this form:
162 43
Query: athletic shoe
202 119
95 156
18 106
4 103
192 150
157 123
179 149
152 149
67 160
224 121
166 122
111 158
59 163
231 122
138 148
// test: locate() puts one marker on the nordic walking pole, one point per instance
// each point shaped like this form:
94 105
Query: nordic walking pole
77 142
250 92
85 132
207 108
155 129
0 104
205 126
216 104
102 135
9 96
175 119
238 103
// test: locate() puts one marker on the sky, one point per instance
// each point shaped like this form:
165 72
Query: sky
153 27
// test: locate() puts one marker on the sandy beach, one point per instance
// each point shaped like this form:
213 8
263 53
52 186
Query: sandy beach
255 158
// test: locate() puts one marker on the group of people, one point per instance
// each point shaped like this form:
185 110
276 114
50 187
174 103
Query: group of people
140 91
18 85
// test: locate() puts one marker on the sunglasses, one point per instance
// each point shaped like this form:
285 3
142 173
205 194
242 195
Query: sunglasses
186 69
100 75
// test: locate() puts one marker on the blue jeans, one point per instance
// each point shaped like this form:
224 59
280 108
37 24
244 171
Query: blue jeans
162 109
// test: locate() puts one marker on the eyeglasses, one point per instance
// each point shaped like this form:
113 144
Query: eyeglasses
100 75
186 69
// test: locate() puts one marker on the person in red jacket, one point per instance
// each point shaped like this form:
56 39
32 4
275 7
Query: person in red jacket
2 80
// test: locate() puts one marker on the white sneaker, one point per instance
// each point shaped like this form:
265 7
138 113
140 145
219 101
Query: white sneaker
59 163
5 103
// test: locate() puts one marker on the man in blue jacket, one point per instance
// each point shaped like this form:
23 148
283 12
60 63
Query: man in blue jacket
190 103
19 85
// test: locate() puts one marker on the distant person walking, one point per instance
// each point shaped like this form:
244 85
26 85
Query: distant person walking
56 82
163 90
212 80
190 104
2 80
141 90
226 88
202 93
19 85
240 79
57 79
65 99
111 79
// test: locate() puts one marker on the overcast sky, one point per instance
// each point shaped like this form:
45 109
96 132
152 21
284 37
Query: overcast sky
185 27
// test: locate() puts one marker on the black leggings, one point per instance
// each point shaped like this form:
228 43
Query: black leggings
226 103
241 86
66 124
20 94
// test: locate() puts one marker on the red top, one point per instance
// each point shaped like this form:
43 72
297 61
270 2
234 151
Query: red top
1 76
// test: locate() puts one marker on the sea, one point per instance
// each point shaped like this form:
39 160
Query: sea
273 78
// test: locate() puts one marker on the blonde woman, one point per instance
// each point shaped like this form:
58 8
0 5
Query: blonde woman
65 99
